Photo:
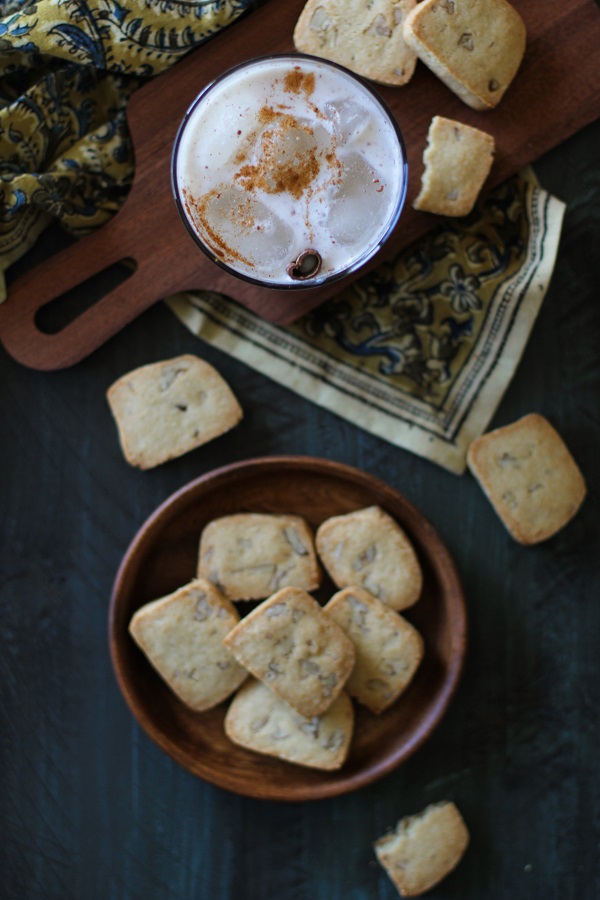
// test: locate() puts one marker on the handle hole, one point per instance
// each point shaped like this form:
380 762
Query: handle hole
61 311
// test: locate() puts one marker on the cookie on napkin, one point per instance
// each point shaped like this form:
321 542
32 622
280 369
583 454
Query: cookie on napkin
249 556
423 848
474 46
369 549
165 409
529 476
457 160
365 37
388 648
182 636
296 649
261 721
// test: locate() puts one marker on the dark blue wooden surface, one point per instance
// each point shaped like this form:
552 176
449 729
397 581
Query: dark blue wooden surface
90 809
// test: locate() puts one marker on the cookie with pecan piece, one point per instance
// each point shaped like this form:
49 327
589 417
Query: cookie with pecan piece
388 648
423 849
529 476
474 46
457 160
296 649
261 721
182 636
167 408
249 556
366 36
369 549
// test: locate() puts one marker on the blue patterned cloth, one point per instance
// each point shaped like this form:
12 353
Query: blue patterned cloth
421 350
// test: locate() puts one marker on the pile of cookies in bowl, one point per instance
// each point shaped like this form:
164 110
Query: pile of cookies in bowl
293 666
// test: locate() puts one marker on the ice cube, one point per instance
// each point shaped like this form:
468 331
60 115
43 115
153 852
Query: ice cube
282 144
287 157
241 228
357 205
349 119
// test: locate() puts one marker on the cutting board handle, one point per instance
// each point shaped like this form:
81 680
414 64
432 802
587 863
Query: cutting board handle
19 329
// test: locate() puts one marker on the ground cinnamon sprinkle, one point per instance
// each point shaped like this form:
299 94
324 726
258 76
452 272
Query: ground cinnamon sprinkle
280 171
196 210
297 81
267 114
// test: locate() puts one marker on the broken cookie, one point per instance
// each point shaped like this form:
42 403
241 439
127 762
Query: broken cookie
424 848
457 161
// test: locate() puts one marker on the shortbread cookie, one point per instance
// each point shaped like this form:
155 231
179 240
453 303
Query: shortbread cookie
365 37
369 549
261 721
296 649
424 848
474 46
529 476
249 556
168 408
388 648
457 161
182 636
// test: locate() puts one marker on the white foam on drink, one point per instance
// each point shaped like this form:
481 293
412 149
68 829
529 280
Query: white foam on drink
287 155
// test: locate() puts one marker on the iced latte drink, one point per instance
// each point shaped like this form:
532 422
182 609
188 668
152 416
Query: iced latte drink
289 171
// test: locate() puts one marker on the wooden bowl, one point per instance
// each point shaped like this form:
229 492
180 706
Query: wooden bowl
162 557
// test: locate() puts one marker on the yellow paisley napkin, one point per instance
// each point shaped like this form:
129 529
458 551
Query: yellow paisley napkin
67 70
418 352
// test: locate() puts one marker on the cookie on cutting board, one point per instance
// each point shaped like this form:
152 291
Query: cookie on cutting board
474 46
457 160
365 37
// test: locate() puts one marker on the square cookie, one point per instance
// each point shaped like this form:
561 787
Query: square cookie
388 648
167 408
295 648
529 476
474 46
365 37
457 161
367 548
261 721
182 636
424 848
249 556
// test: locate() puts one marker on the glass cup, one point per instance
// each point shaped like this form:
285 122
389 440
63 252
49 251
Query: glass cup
289 171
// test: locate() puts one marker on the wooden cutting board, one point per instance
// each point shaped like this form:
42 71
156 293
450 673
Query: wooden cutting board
555 93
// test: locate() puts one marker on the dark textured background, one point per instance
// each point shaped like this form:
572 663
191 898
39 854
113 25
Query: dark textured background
90 808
